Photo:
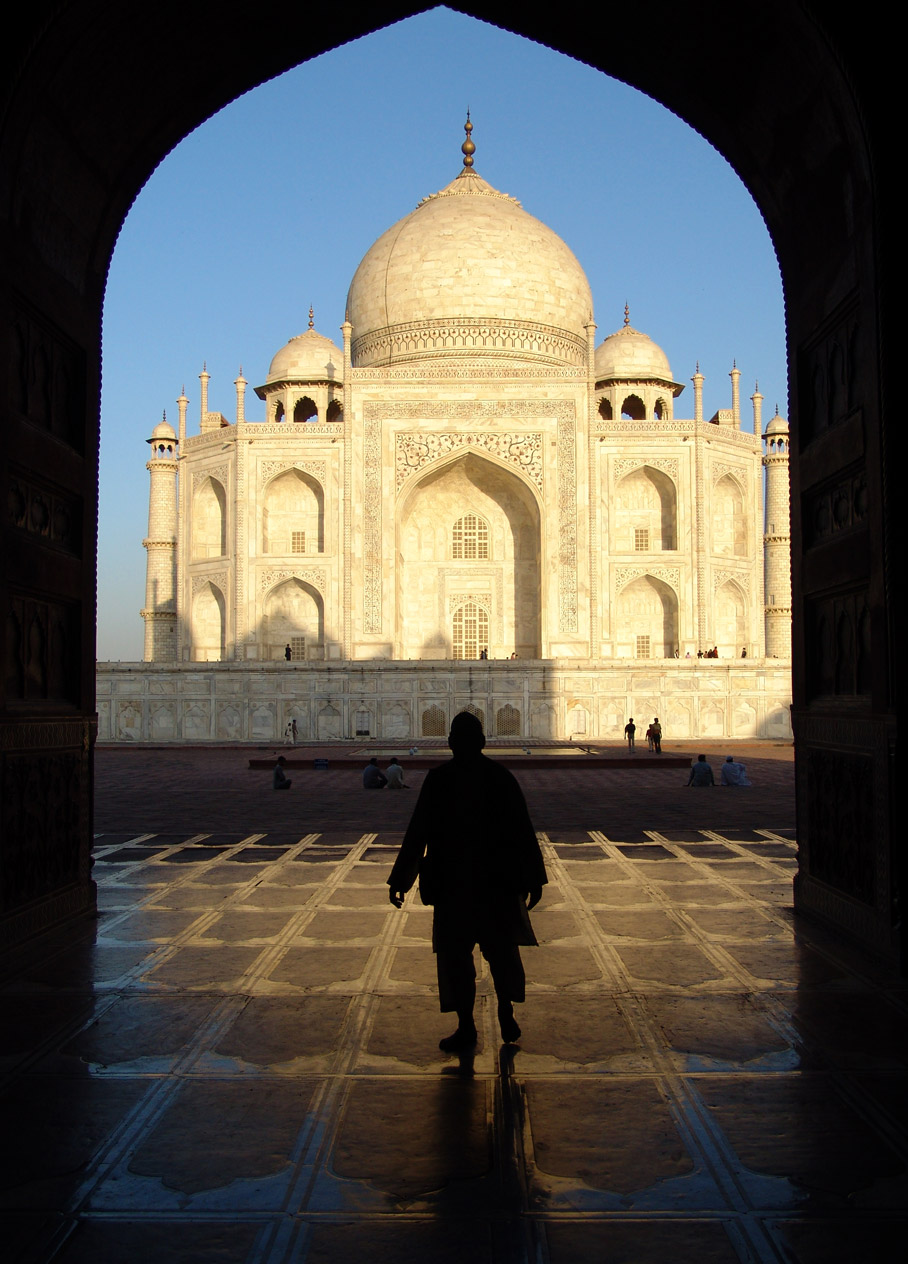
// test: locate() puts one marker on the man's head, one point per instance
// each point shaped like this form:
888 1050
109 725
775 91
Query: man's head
729 759
374 760
281 759
701 759
466 736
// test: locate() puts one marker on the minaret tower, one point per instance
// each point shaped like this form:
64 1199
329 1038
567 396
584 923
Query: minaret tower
777 539
160 613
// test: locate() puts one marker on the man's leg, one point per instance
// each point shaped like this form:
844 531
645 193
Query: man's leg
509 980
457 991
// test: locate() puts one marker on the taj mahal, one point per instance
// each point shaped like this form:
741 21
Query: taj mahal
465 501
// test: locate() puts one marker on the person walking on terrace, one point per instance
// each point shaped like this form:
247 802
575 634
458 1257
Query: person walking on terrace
473 848
629 730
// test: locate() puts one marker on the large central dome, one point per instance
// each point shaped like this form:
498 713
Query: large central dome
469 274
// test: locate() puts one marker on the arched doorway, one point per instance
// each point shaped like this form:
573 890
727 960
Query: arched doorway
797 156
470 553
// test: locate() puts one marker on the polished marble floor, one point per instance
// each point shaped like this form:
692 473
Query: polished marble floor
239 1062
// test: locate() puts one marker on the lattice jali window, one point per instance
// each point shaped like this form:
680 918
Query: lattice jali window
470 537
643 647
433 723
471 709
297 542
470 631
641 539
507 722
297 649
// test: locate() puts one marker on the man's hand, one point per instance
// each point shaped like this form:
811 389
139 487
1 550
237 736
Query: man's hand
397 898
534 897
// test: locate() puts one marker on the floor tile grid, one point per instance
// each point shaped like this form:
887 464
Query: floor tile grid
317 1190
114 1158
188 876
313 1172
316 1138
706 1146
778 1015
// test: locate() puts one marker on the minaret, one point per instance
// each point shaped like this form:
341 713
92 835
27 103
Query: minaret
204 379
240 383
757 400
698 379
777 539
160 612
735 376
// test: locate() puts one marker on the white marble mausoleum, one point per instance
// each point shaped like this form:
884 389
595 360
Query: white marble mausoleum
467 472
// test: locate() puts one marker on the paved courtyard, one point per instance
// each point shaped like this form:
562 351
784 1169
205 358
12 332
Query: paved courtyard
239 1061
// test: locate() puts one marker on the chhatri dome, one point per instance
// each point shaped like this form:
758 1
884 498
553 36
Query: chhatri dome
309 357
629 355
469 273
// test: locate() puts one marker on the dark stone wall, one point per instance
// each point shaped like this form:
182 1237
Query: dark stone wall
793 95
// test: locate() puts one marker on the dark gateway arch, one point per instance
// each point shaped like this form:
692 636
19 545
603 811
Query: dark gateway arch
95 94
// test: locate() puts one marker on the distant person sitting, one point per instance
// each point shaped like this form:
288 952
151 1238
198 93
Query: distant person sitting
394 774
733 773
279 780
373 777
701 774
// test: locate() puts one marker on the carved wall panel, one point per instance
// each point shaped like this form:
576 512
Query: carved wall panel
830 510
52 516
840 801
47 377
567 525
40 822
43 650
839 632
829 383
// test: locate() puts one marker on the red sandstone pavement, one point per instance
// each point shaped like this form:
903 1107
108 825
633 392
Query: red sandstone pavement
212 789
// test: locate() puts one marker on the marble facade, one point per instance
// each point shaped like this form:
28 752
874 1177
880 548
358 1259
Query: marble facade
470 472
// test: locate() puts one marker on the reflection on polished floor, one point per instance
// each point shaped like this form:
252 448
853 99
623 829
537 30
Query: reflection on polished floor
244 1066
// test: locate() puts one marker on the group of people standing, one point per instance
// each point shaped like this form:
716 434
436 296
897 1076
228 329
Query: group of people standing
653 735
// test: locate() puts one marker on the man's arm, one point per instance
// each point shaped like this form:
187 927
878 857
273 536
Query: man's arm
406 866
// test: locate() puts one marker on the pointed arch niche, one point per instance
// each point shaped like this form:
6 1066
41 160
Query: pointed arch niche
293 614
209 520
729 520
645 512
208 624
293 515
435 579
647 619
731 620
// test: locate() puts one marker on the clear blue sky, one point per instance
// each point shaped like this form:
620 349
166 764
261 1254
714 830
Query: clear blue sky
271 204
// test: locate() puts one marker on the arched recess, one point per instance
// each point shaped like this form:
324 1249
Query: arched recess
434 582
633 408
208 624
731 633
836 134
645 512
728 518
647 619
209 519
293 614
305 409
293 515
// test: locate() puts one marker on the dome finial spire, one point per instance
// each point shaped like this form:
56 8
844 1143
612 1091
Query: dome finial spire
627 315
468 149
311 317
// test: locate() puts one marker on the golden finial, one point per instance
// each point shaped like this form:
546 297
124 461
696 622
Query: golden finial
164 415
627 315
468 149
311 318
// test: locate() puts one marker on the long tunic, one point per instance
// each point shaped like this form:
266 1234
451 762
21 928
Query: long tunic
473 848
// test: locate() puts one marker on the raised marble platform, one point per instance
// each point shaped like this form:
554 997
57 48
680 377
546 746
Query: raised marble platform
395 701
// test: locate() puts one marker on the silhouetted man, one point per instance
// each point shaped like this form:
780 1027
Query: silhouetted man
474 850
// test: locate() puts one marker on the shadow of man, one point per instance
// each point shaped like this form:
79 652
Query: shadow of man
473 848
